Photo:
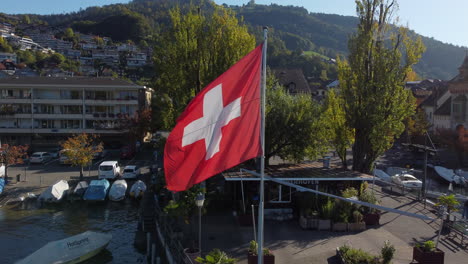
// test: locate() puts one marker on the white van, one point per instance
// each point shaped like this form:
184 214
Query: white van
109 170
2 170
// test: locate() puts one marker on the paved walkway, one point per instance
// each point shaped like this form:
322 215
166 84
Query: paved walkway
293 245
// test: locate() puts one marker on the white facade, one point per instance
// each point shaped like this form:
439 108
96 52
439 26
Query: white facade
86 105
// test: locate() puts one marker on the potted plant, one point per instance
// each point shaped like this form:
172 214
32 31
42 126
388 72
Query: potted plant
341 222
309 219
387 252
427 253
450 203
371 215
324 223
192 253
216 256
358 224
252 257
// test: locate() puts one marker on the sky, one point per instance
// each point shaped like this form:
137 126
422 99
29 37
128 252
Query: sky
443 20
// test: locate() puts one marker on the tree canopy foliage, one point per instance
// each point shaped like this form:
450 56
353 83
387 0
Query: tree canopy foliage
194 50
80 150
376 102
11 155
334 119
293 129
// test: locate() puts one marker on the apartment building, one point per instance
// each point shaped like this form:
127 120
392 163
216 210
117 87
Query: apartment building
48 109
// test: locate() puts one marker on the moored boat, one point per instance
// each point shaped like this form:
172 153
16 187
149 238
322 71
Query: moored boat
138 189
117 190
97 190
55 192
73 249
407 181
79 191
382 175
2 185
450 175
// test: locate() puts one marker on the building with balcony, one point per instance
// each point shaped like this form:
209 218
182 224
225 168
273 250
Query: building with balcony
48 109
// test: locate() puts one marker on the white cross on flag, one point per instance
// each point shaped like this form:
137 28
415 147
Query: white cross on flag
219 129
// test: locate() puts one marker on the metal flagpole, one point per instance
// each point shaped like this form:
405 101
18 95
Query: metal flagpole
262 158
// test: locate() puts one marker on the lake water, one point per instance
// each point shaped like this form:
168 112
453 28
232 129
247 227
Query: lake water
26 227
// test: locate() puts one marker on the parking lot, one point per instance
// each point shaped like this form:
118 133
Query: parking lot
37 176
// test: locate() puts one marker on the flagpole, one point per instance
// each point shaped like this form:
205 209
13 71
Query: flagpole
262 157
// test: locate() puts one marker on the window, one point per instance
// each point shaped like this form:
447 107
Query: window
459 108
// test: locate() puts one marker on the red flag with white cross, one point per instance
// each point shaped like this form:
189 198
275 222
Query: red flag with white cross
219 129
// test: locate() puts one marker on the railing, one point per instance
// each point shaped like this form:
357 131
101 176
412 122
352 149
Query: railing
170 243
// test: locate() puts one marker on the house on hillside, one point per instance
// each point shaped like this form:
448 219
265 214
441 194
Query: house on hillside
293 80
447 106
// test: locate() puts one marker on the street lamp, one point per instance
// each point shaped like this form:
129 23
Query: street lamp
199 200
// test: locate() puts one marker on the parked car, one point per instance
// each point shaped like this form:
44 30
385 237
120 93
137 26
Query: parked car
131 172
63 159
127 152
109 170
40 157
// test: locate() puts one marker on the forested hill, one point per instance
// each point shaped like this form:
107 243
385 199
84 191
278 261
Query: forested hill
292 28
328 34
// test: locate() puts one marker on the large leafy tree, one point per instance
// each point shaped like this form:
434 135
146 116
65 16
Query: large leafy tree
294 129
197 47
338 131
80 150
11 155
372 81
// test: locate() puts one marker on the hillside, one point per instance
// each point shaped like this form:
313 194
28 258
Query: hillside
293 30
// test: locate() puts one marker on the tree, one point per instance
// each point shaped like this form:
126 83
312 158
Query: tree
139 124
69 34
334 119
192 52
11 155
57 58
372 81
293 128
417 124
449 202
4 46
80 150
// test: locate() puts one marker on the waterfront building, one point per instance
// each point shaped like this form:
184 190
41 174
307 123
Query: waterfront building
44 110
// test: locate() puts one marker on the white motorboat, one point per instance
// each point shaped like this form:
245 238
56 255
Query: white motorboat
79 191
55 192
450 175
138 189
407 181
392 171
117 190
382 175
73 249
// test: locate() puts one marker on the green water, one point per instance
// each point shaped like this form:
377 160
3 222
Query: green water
26 227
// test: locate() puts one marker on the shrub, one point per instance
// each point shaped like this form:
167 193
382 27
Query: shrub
356 256
427 246
349 192
327 210
368 197
253 247
388 251
357 216
216 256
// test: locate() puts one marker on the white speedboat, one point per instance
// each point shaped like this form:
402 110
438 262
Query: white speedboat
450 175
55 192
407 181
117 190
382 175
137 189
392 171
73 249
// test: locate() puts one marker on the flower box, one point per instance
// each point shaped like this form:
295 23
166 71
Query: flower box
357 226
340 227
431 257
324 224
372 219
253 259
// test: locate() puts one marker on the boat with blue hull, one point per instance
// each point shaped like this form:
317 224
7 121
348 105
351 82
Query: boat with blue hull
2 185
97 190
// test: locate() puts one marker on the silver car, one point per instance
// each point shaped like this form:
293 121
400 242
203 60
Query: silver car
40 157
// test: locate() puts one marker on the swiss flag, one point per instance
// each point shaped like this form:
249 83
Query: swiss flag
219 129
